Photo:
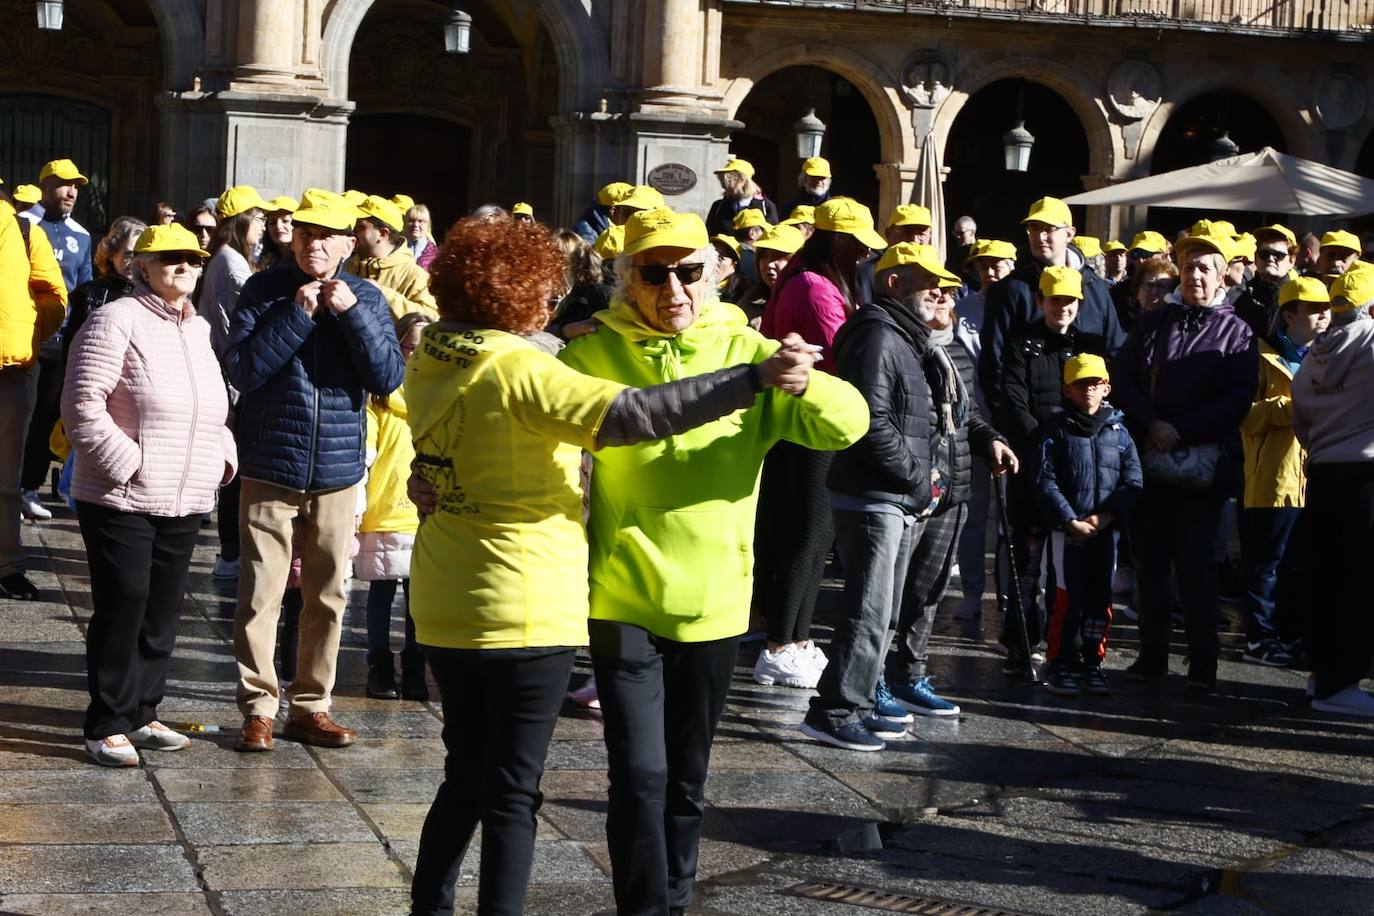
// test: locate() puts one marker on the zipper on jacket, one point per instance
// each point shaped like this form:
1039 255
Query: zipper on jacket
315 419
195 415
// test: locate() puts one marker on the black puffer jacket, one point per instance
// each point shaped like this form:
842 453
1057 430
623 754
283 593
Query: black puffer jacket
891 463
976 435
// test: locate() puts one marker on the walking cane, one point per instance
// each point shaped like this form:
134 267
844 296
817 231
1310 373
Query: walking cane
1013 579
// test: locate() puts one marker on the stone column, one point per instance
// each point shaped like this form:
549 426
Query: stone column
267 49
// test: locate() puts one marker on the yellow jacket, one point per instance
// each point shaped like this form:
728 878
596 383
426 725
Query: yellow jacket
390 452
1274 460
404 283
33 296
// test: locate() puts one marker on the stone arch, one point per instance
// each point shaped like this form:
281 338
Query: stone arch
578 40
183 41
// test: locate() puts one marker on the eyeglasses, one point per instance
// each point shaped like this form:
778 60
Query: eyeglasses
1164 284
202 227
1271 254
657 274
172 258
1087 384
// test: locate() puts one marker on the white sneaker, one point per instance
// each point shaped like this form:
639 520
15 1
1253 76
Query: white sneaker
586 695
814 657
30 506
157 737
225 569
1352 701
114 751
785 668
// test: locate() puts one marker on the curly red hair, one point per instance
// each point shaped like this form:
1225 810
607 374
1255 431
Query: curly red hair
498 274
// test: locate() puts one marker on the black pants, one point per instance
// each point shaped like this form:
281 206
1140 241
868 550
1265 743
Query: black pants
138 569
228 520
500 708
1339 520
660 702
792 535
46 411
1081 605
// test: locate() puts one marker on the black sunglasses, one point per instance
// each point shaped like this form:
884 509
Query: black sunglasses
169 258
1271 254
657 274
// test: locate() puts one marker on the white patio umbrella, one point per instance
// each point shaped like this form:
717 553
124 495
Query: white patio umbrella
929 192
1264 182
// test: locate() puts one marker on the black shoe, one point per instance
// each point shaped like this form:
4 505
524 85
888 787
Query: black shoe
1229 586
17 587
1140 670
381 678
1095 682
1062 682
413 686
1200 685
1015 665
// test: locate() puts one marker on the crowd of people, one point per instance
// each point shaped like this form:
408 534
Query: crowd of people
646 437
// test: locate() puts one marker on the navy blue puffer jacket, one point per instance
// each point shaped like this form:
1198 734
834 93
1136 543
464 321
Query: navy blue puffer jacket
1087 468
302 421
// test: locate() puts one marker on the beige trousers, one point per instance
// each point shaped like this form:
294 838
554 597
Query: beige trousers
326 518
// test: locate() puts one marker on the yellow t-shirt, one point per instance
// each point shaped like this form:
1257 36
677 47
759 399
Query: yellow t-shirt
499 427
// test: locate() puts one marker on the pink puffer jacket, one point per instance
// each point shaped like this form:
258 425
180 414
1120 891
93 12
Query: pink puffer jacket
144 406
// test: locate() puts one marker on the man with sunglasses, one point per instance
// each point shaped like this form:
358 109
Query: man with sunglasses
308 342
1276 247
671 531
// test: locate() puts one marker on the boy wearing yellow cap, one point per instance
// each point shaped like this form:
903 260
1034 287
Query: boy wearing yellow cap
1089 477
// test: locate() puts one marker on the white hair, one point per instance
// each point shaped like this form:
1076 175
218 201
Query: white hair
710 272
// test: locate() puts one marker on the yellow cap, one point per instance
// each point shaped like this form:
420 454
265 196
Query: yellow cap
1269 233
1353 289
748 218
641 197
522 209
911 253
610 243
1339 238
816 167
847 215
1113 245
383 210
1303 289
1221 244
787 239
289 204
730 243
802 213
171 237
27 194
1213 227
1051 211
991 248
239 199
909 215
64 169
354 197
662 228
327 209
1090 246
1149 241
610 194
403 201
1061 281
743 166
1085 365
1245 246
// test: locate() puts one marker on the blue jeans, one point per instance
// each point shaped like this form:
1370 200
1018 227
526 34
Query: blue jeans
1271 596
875 548
380 596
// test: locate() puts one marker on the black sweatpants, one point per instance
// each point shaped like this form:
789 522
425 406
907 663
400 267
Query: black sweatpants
660 702
500 708
228 520
138 569
47 410
1081 606
1339 520
793 533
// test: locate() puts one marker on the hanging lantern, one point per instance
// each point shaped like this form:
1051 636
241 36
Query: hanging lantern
1017 144
810 131
1223 147
50 15
458 32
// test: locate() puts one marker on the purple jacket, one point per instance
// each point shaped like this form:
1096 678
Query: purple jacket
1206 381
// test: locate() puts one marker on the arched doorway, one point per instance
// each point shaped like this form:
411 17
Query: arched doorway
851 141
1196 133
438 178
979 183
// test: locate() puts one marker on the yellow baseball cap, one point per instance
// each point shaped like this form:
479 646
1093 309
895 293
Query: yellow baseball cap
1268 233
662 228
743 166
1061 281
1222 245
641 197
1149 241
404 201
847 215
354 197
1113 245
522 209
277 204
909 215
239 199
610 194
27 194
1353 289
172 237
816 167
610 243
1245 246
1339 238
802 213
383 210
786 239
748 218
326 209
731 244
1303 289
905 254
991 248
1051 211
64 169
1089 245
1213 227
1085 365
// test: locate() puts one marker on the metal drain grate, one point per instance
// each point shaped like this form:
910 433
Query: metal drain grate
893 903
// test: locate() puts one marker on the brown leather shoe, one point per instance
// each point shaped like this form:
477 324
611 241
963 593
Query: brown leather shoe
256 734
318 729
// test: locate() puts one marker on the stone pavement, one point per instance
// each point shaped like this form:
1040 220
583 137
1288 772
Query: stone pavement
1246 803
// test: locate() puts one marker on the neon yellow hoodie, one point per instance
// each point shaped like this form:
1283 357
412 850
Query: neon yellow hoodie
672 521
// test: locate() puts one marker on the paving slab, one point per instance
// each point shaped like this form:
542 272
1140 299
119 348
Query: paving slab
246 785
85 823
319 866
140 904
301 823
76 869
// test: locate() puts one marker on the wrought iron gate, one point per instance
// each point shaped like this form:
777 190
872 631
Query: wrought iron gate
35 129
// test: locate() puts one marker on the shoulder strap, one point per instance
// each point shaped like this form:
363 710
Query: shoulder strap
24 229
